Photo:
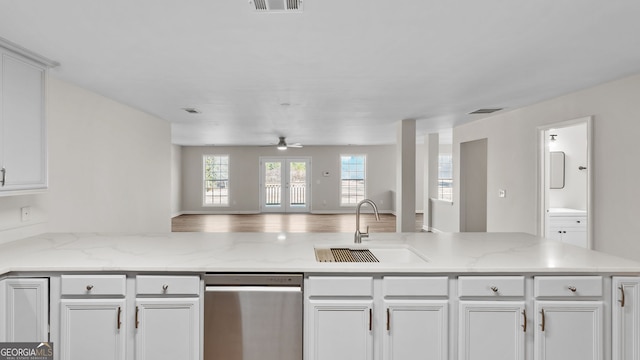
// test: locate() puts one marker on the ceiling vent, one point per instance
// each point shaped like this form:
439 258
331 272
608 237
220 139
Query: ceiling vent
191 110
277 6
485 111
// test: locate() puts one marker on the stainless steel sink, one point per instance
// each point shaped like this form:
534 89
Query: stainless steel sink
368 254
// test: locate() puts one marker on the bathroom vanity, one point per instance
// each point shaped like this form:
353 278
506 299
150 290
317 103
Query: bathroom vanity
462 296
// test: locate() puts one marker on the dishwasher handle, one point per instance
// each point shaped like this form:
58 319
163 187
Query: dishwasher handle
264 279
253 289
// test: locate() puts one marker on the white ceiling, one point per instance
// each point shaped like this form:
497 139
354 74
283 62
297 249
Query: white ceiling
340 72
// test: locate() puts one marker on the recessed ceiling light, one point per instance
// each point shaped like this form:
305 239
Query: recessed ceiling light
191 110
485 111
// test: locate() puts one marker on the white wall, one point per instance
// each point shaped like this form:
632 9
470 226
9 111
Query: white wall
109 170
572 140
244 175
11 226
176 180
512 162
109 165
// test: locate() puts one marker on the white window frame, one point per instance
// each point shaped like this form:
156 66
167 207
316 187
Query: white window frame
364 195
204 181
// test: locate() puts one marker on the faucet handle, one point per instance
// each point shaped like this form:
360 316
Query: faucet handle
365 234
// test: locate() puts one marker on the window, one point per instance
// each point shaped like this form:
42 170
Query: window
445 177
216 179
352 179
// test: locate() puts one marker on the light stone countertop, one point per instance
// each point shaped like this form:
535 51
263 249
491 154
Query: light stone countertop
450 253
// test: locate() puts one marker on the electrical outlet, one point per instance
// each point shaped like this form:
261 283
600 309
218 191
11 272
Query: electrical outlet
25 213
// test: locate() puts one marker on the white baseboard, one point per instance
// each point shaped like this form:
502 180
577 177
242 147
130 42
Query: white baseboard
435 231
218 212
346 211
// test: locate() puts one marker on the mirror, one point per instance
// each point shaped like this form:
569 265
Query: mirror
556 170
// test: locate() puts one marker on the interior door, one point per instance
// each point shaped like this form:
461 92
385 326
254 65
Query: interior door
285 185
473 186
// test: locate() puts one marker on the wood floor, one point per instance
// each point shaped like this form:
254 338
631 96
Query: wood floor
286 223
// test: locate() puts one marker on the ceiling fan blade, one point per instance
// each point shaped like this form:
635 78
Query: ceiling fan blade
296 145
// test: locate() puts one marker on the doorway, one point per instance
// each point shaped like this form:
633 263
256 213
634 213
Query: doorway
565 179
285 184
473 186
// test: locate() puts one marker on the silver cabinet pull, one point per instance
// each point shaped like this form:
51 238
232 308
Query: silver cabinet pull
388 319
572 288
4 175
621 301
137 319
89 287
494 289
119 323
524 317
542 323
165 287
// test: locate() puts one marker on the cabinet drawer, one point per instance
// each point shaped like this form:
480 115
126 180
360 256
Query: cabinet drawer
167 285
339 286
415 286
568 221
93 285
567 286
493 286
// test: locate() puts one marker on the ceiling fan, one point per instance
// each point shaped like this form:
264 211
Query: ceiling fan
282 144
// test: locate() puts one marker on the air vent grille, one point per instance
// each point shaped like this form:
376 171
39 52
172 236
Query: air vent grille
261 5
485 111
277 6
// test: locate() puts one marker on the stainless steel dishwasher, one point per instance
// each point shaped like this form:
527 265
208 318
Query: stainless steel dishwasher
253 317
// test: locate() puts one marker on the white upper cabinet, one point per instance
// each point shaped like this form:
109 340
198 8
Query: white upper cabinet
23 146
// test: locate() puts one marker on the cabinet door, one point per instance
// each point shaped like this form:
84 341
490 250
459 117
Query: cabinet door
569 330
339 330
92 329
27 310
492 330
22 138
555 233
416 330
167 329
577 237
626 318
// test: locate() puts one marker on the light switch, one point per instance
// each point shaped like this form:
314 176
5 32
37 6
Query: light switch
502 193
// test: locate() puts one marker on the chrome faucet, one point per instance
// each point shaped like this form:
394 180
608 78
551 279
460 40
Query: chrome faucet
359 235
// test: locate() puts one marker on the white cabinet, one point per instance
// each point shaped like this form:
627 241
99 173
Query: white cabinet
569 322
492 318
167 318
92 329
567 226
22 123
340 329
492 330
626 318
339 318
569 330
167 329
25 317
416 314
355 317
92 317
416 327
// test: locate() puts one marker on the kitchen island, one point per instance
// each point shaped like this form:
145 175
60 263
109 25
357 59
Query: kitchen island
466 295
447 253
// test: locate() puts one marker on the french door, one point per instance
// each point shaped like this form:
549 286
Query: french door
285 184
